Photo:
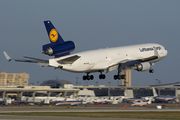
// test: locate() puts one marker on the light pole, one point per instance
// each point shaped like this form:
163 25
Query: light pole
109 83
159 82
96 83
109 90
156 81
77 81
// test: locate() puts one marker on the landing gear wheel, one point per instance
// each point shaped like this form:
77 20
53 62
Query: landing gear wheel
119 77
88 77
115 77
123 76
151 71
102 76
84 78
91 77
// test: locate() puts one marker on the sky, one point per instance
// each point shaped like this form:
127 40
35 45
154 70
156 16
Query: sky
91 24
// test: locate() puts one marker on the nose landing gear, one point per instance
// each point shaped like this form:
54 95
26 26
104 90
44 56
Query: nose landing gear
151 71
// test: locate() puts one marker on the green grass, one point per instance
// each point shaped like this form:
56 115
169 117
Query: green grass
144 115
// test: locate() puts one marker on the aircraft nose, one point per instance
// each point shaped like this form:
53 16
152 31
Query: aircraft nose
165 52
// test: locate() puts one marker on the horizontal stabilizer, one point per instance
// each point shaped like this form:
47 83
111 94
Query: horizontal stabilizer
69 60
40 62
23 60
46 61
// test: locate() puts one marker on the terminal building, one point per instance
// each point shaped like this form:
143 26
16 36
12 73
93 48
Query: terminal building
16 85
172 89
55 83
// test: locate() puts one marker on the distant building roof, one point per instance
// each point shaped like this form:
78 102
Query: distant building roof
167 85
55 83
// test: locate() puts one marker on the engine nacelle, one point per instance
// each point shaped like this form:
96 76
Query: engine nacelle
142 66
58 49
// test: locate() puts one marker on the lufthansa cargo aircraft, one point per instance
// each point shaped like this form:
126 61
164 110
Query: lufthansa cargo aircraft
139 57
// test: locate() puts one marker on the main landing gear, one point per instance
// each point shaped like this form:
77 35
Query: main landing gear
118 76
91 77
88 77
102 76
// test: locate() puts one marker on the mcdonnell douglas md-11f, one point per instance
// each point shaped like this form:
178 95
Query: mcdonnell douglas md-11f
139 57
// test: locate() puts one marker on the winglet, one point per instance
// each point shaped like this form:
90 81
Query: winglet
7 56
156 52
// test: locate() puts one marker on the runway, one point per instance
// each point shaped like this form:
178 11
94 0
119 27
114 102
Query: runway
90 108
87 110
15 117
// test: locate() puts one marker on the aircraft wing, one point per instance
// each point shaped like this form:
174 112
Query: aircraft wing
40 62
131 62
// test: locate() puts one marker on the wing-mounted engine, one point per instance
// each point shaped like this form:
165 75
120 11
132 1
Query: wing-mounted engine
58 49
142 66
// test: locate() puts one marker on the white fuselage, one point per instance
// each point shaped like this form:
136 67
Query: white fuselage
101 59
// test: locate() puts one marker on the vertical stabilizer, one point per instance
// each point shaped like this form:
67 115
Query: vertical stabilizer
125 94
58 47
154 92
53 34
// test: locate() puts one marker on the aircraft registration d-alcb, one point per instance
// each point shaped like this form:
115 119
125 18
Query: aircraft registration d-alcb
139 57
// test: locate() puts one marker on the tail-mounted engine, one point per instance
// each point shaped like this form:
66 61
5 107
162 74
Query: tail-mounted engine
142 66
58 49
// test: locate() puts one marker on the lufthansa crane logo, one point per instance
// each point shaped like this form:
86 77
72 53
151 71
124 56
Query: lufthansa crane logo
53 35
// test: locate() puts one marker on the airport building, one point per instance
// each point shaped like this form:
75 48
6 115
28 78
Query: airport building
133 92
17 79
56 83
64 88
172 89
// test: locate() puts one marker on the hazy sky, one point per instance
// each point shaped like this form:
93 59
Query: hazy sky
91 24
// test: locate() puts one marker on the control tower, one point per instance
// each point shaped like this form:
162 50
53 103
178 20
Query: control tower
127 81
